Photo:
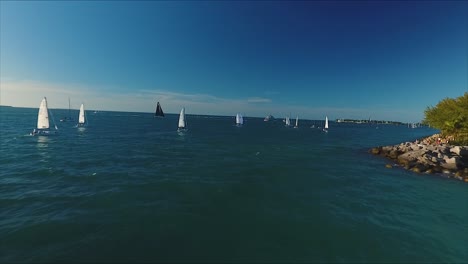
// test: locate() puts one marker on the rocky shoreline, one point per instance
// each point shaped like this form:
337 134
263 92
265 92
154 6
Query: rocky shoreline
429 155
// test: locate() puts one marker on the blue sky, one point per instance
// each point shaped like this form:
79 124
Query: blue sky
383 59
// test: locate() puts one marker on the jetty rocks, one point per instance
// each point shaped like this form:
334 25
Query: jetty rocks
421 157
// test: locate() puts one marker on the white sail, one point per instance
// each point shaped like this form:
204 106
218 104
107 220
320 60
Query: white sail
43 116
239 119
288 122
81 118
297 121
326 122
182 118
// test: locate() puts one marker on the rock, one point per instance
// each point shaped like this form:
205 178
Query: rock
437 168
455 150
449 163
464 152
403 160
393 154
429 158
386 149
376 151
450 160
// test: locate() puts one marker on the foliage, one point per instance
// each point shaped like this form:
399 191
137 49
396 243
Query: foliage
450 116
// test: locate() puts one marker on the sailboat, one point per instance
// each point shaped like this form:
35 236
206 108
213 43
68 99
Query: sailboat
182 123
239 120
81 117
159 111
68 118
297 122
325 129
43 120
287 121
269 117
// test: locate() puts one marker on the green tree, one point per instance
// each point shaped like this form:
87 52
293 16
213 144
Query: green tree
450 116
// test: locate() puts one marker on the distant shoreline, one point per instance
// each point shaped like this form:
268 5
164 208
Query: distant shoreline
362 121
429 155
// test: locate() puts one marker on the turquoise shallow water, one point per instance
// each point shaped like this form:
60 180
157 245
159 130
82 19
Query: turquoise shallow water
129 187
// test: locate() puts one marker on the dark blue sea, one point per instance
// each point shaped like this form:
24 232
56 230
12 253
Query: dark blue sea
130 188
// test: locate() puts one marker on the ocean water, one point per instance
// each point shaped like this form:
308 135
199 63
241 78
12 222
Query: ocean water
130 188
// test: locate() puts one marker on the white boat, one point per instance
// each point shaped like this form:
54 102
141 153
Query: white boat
326 124
268 118
81 117
239 120
287 122
43 124
182 123
297 122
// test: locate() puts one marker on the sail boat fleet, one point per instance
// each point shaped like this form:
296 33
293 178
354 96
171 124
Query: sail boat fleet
43 124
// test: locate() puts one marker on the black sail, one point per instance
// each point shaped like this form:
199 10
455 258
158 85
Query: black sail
159 111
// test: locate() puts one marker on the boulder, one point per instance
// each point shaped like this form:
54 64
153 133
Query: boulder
464 152
455 150
449 163
376 151
393 154
450 160
447 166
437 168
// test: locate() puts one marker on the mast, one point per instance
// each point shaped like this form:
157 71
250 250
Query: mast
69 115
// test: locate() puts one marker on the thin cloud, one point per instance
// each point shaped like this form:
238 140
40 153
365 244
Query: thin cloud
258 100
29 94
